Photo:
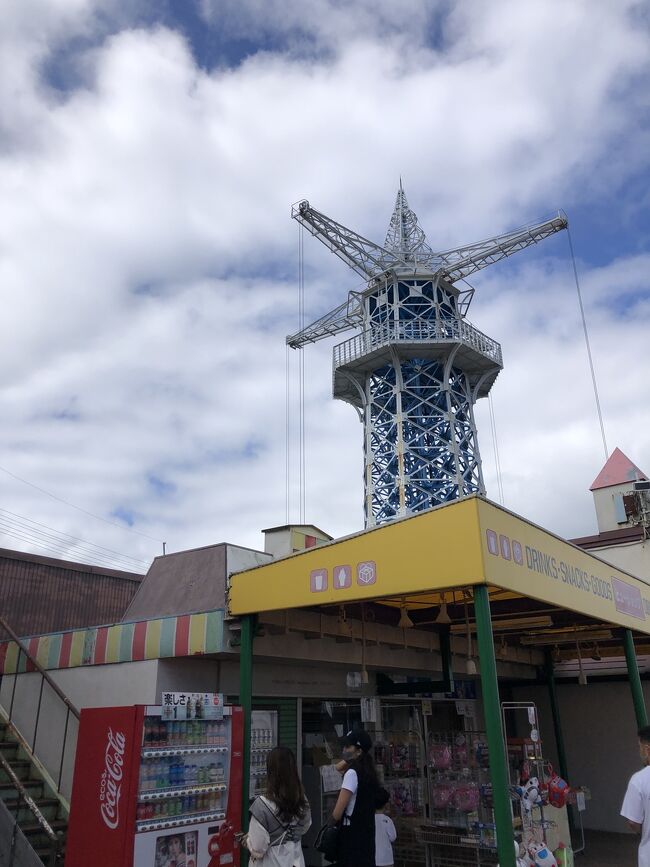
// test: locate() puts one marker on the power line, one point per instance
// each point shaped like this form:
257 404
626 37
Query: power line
68 551
79 508
22 523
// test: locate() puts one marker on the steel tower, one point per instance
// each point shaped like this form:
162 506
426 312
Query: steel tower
416 367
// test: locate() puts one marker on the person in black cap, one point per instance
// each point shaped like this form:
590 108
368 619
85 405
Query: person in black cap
355 806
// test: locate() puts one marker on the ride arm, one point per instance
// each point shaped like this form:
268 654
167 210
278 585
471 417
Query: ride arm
362 255
463 261
345 316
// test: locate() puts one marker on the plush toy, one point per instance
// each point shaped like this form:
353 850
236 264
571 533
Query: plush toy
542 855
521 856
530 794
558 789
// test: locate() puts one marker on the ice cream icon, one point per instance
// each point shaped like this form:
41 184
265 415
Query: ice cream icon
342 577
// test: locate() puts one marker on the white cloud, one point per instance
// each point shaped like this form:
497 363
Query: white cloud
148 261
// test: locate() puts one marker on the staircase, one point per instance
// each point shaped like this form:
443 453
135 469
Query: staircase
37 745
31 800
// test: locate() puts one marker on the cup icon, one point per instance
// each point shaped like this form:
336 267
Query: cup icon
318 580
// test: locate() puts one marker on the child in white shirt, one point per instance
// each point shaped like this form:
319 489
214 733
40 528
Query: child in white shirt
385 832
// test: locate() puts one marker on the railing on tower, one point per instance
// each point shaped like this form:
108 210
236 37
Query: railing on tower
429 331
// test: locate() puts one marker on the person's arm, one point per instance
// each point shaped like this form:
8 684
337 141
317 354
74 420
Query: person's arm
390 829
341 804
305 821
633 809
348 788
257 840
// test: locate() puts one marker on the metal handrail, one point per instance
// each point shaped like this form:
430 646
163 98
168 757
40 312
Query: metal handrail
23 795
429 330
45 677
38 666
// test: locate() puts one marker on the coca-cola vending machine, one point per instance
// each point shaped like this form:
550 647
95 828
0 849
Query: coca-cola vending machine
157 786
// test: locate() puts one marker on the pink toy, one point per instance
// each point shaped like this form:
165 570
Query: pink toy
466 797
442 795
558 789
440 756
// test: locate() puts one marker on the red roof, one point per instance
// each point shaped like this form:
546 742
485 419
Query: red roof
619 470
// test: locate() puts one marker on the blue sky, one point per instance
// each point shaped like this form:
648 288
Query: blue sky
148 264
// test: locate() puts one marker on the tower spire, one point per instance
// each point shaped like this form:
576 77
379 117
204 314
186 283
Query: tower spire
405 237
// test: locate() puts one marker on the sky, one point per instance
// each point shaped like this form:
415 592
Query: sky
149 156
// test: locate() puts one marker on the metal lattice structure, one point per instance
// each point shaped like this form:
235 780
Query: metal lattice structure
417 366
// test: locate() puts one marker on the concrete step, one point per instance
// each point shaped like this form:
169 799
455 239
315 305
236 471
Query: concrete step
33 828
44 853
35 789
22 768
49 807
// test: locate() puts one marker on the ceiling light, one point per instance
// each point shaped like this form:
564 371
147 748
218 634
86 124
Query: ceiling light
582 677
443 615
405 621
344 627
470 666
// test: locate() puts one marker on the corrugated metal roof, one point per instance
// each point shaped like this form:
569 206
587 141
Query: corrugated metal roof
622 536
42 594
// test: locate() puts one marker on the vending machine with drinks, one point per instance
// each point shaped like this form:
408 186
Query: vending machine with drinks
157 786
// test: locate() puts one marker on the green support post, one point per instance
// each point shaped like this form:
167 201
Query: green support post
549 669
635 680
248 624
494 728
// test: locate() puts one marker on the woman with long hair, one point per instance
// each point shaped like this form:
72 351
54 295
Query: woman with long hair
279 817
354 810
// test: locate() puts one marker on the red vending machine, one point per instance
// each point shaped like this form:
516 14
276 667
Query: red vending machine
157 786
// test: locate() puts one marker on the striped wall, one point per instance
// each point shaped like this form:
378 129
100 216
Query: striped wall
185 635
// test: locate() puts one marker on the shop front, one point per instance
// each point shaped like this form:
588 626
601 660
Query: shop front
482 601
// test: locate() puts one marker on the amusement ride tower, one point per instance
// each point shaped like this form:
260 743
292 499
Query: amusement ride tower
416 366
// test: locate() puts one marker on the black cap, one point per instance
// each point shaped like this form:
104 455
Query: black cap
357 738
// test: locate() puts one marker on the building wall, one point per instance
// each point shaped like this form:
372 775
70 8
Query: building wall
604 503
634 558
600 740
41 594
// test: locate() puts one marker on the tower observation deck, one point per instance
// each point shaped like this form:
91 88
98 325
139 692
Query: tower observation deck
416 366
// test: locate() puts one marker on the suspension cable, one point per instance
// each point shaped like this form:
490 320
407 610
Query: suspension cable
495 445
287 444
586 333
301 376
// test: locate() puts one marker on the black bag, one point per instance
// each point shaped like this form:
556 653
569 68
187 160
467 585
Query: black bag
327 842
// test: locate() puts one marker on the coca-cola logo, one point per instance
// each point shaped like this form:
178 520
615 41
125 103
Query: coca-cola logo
110 786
